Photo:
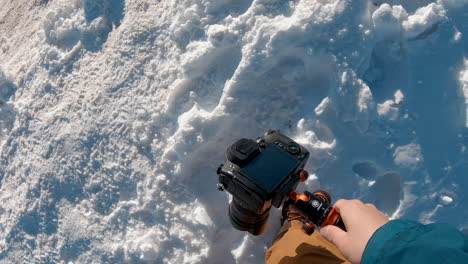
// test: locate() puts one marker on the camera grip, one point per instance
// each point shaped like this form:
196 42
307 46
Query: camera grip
341 224
334 218
315 207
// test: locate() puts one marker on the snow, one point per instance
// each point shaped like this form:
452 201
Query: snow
115 114
446 200
464 86
425 20
408 155
387 20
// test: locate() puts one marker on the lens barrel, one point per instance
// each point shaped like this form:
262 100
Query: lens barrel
245 220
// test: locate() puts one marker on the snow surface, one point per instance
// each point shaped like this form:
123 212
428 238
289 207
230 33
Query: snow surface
114 116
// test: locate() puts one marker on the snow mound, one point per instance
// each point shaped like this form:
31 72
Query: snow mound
408 155
114 116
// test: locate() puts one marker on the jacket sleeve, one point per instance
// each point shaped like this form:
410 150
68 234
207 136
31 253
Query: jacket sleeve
402 241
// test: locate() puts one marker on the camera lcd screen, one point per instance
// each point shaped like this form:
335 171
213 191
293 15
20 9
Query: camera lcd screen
270 167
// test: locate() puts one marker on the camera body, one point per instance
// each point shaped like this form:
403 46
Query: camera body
259 174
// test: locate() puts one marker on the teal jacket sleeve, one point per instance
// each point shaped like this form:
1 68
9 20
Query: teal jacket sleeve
402 241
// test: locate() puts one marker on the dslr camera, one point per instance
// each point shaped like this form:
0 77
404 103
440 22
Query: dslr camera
259 174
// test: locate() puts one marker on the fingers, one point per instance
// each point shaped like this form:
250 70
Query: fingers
340 204
361 221
348 209
343 204
334 235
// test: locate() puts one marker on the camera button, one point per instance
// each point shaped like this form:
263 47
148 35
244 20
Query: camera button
294 149
303 175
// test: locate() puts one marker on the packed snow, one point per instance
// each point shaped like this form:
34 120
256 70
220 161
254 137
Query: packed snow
114 115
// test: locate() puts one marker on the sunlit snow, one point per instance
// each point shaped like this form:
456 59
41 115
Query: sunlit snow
114 115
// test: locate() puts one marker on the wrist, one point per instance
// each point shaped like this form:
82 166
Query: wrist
381 236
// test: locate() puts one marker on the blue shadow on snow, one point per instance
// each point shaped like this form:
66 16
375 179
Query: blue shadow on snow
112 11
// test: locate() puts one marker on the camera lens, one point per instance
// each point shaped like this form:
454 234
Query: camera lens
246 220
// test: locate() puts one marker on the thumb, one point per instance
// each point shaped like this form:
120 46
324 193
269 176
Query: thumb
334 235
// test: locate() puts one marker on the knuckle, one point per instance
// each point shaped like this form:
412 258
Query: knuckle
340 202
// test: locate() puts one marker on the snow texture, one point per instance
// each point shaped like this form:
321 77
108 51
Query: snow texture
114 115
408 155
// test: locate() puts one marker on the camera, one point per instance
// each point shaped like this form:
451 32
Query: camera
260 174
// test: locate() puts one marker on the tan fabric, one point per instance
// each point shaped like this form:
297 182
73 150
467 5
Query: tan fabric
293 246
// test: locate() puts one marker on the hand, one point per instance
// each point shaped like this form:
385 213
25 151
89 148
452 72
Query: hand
361 221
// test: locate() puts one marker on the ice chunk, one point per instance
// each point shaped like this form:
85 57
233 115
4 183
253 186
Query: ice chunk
398 97
201 216
365 97
387 20
446 200
424 21
322 106
388 110
457 36
408 155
